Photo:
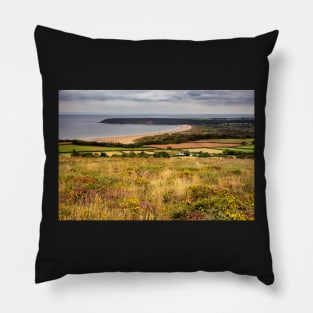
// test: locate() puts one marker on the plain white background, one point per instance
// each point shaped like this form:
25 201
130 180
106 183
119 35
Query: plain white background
288 157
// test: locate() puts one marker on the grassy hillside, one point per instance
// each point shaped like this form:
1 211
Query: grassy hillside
197 133
156 189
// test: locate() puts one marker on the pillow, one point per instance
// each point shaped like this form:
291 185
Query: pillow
154 155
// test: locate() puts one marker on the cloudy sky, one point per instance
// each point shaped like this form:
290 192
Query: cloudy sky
157 101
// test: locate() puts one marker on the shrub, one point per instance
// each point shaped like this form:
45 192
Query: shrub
142 154
87 155
204 154
229 152
204 205
201 192
75 153
179 212
161 154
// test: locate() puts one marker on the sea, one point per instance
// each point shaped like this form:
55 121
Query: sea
87 126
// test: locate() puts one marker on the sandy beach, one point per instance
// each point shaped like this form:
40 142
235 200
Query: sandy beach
132 138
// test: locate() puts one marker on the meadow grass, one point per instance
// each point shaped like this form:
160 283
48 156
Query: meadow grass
227 140
156 189
249 148
69 147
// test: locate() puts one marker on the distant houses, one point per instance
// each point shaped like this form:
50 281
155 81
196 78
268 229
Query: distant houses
184 153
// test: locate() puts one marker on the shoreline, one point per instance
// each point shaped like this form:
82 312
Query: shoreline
131 138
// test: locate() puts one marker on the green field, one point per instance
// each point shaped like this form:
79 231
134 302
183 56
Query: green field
249 148
68 147
228 140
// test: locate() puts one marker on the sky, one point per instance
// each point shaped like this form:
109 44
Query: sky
156 101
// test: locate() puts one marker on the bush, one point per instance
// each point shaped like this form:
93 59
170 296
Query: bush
75 153
204 154
161 154
105 144
199 192
178 213
87 155
204 205
142 154
230 152
238 154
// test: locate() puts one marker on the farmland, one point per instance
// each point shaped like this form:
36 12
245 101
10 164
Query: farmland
204 173
84 148
68 147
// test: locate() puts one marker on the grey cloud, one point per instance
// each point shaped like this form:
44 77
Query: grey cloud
147 101
227 97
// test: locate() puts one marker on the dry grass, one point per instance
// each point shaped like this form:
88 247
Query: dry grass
156 189
205 150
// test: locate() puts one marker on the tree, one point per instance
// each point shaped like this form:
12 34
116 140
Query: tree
75 153
161 154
